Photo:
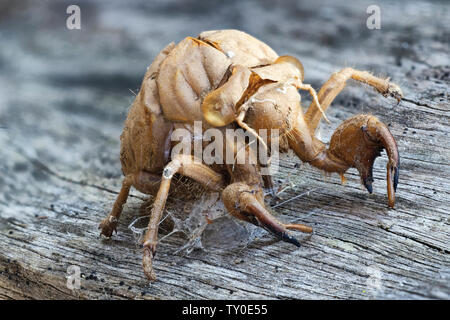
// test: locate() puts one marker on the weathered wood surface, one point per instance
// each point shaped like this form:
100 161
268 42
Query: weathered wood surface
64 96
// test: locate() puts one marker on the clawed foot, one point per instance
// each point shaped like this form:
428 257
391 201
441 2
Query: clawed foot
242 202
394 91
258 215
108 226
358 141
147 260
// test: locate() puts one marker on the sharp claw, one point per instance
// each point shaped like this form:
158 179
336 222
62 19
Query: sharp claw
392 182
368 184
390 187
396 174
394 91
380 133
288 238
107 229
147 264
281 233
373 136
264 219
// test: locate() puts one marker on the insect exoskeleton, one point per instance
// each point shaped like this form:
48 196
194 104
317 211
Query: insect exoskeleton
227 79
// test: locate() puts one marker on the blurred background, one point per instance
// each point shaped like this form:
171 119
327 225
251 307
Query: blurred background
56 79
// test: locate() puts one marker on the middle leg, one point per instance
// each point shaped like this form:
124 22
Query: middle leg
184 165
337 83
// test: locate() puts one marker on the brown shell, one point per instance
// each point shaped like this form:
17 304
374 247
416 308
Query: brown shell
146 133
273 106
196 67
284 69
240 47
191 70
219 106
206 78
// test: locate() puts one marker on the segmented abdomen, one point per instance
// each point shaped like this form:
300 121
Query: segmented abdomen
197 66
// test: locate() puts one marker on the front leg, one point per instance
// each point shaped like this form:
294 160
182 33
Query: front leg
246 203
244 198
356 143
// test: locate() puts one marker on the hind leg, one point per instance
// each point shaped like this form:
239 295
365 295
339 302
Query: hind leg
143 181
109 224
337 83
